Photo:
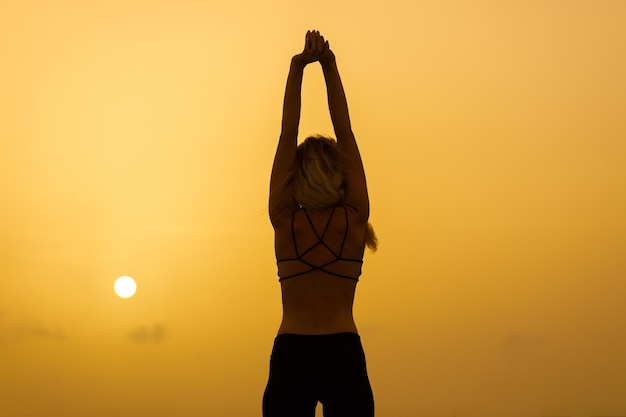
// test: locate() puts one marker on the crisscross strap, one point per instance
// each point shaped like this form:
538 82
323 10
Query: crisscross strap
310 267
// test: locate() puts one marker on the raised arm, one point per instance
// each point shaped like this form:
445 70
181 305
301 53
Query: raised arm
280 193
356 192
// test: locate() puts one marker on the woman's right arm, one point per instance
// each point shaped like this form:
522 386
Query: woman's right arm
280 193
280 197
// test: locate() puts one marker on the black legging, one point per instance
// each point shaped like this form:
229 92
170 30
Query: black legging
305 369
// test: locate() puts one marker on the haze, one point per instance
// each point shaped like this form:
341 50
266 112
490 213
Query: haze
136 138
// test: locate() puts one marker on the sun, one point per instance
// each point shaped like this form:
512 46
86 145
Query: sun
125 286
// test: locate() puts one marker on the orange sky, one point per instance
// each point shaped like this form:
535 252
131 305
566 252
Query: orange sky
136 138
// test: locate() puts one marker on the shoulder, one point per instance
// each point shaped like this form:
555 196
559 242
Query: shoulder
281 200
281 215
357 213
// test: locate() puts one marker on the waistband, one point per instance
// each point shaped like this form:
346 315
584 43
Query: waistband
316 341
304 337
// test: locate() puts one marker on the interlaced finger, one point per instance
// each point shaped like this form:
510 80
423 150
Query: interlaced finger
307 41
318 43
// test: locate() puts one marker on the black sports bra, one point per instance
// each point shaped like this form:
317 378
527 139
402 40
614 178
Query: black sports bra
310 267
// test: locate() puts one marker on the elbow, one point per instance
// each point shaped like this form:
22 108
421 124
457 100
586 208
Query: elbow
344 132
289 133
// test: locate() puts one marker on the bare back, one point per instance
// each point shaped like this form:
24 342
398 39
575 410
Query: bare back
319 257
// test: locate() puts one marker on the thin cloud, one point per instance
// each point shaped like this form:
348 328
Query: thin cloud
41 331
29 331
148 334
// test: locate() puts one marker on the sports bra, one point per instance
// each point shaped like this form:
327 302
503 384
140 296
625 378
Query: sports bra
310 267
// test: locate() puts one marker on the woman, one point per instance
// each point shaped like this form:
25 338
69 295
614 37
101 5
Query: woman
319 208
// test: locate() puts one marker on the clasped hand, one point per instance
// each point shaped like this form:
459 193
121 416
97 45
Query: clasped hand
315 49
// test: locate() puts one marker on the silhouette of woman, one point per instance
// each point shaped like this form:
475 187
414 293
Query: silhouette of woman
319 209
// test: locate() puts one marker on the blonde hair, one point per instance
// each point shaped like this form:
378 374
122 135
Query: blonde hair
318 178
